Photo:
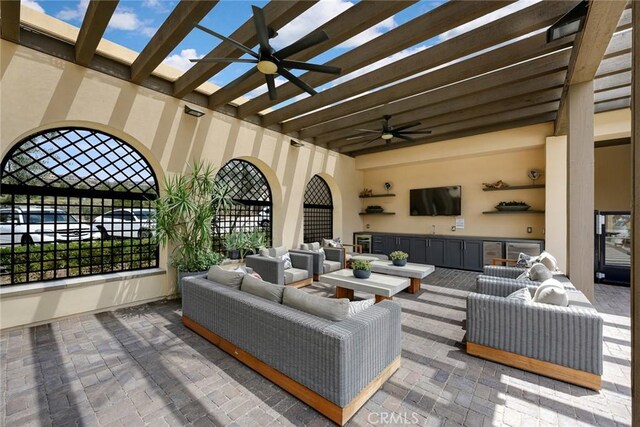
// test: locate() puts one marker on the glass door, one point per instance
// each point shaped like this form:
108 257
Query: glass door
613 247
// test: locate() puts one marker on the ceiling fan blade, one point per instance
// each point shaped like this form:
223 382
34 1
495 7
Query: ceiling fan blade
310 67
296 81
406 138
369 142
306 42
407 126
271 85
416 132
368 130
354 137
232 41
261 28
250 61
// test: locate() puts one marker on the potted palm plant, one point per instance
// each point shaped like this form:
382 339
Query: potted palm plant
234 243
361 268
399 258
184 216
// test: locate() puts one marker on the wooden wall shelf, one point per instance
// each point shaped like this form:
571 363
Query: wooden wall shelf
378 195
515 187
377 213
512 212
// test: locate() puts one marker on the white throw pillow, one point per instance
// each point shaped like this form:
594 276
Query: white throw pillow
525 260
549 261
521 295
524 275
539 273
551 292
332 243
356 307
287 261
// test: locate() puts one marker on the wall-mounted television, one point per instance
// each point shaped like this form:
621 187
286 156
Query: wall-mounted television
435 201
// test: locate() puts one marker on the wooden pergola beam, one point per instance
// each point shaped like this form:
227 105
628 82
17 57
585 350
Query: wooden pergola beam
10 20
499 31
354 20
441 96
94 25
277 14
184 17
443 18
589 48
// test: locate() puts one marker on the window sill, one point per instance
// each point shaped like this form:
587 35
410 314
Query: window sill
76 282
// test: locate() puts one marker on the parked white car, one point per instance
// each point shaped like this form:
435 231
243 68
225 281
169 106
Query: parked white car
40 224
130 223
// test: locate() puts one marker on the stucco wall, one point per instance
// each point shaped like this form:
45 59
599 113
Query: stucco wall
40 92
613 178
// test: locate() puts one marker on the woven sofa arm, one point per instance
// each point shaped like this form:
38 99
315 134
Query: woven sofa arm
502 287
270 269
318 259
302 261
567 336
335 254
502 271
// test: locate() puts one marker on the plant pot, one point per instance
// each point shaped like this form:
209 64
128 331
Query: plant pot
362 274
234 254
399 262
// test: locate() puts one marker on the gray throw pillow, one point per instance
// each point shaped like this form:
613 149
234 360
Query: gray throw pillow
231 278
262 289
551 292
520 295
525 260
332 243
539 273
327 308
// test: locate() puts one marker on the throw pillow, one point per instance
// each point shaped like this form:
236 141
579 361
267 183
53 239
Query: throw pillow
287 261
525 260
520 295
539 273
551 292
356 307
262 289
332 243
524 275
229 278
327 308
549 261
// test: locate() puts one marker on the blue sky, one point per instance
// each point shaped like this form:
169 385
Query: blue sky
135 21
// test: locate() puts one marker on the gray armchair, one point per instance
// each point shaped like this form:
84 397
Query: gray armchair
326 261
270 267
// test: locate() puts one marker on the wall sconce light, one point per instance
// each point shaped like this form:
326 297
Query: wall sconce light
192 112
570 23
295 143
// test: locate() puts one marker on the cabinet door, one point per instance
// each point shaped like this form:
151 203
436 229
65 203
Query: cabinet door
418 250
390 244
404 245
377 245
435 252
472 255
453 253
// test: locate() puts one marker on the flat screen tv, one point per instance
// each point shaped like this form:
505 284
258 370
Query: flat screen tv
435 201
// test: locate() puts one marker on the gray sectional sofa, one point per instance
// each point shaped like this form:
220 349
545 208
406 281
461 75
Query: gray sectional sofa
334 367
556 341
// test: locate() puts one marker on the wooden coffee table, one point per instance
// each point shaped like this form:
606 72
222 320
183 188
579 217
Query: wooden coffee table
415 272
381 285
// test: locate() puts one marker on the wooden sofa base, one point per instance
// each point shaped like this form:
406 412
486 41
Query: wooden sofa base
301 283
547 369
327 408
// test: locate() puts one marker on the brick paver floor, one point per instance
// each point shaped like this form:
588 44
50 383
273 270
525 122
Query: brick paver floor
140 366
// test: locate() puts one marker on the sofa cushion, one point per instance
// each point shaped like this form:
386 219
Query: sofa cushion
327 308
329 266
263 252
278 251
295 275
548 260
262 289
230 278
539 273
520 295
356 307
551 292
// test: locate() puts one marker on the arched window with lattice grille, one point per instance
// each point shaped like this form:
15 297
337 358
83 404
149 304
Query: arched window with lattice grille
75 202
253 209
318 211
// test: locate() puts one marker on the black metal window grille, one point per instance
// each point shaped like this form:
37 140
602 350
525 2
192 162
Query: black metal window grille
318 211
253 209
75 202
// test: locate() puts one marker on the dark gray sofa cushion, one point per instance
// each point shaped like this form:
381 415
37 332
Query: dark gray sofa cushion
262 289
232 278
327 308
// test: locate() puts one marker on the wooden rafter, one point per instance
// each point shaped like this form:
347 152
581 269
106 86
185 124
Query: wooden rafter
10 20
277 14
344 26
431 24
499 31
94 24
184 17
589 48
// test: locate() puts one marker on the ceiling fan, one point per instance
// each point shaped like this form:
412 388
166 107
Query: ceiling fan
389 132
271 62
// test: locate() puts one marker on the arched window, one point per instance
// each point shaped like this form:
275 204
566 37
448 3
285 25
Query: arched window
318 211
252 194
75 202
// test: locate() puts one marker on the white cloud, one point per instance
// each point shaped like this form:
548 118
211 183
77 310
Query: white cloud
181 60
370 33
123 19
75 14
32 4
